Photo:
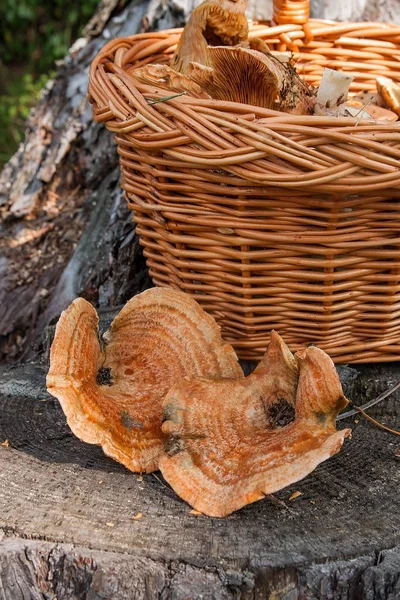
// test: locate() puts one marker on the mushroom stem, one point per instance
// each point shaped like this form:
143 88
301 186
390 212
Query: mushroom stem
332 91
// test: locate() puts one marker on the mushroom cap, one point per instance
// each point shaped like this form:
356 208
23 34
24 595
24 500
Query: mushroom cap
382 115
112 391
355 108
263 433
368 98
213 22
390 91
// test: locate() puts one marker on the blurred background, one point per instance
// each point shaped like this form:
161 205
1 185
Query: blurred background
34 34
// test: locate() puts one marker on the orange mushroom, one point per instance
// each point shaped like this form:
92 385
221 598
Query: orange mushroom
163 76
355 108
239 75
251 77
112 390
390 92
382 115
263 433
214 23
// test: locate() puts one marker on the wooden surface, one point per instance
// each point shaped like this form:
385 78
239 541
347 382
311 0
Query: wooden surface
338 535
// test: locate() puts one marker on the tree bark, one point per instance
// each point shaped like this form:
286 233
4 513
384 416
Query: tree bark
357 10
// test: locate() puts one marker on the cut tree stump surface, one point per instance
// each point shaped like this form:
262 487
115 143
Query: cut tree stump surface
66 507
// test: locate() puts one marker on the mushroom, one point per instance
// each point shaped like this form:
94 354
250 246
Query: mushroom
382 115
239 75
367 98
332 92
251 77
112 390
264 432
390 91
355 108
163 76
214 23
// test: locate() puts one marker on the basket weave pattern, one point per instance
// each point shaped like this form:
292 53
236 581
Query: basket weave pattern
270 220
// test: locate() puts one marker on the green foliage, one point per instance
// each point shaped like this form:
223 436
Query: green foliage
21 94
37 32
33 35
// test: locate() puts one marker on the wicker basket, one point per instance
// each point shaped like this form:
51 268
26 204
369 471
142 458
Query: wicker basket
270 220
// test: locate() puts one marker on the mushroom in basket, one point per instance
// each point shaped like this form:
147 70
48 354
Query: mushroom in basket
251 77
112 389
390 92
212 23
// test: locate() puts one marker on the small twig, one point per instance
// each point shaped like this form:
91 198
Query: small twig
386 394
159 481
164 99
277 501
364 414
363 108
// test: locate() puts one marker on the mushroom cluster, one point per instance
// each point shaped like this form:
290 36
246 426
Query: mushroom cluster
215 59
162 390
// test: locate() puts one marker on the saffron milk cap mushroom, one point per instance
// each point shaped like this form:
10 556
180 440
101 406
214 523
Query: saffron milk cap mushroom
264 432
112 390
382 115
390 92
355 108
252 77
214 23
239 75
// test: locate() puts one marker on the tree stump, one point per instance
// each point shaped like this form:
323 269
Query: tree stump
74 524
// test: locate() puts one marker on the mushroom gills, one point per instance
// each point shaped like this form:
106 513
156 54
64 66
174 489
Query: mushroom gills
251 77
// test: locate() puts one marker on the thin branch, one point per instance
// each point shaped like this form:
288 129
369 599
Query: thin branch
364 414
277 502
160 482
383 396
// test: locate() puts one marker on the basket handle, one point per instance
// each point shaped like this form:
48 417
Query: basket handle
292 12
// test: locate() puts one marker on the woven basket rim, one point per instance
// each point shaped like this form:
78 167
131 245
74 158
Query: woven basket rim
109 49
